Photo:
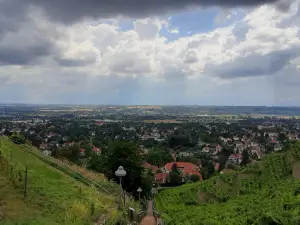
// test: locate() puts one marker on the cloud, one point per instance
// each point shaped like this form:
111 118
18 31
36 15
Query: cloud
24 39
255 64
174 31
68 11
87 61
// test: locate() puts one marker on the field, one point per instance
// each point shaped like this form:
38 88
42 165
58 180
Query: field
261 193
52 196
162 121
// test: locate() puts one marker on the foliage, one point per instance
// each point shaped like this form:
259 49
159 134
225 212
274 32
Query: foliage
120 153
18 139
245 157
71 153
260 193
174 179
158 157
194 178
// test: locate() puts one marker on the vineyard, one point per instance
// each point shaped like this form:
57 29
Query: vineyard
53 196
261 193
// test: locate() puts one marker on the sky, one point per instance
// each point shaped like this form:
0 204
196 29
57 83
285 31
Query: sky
163 52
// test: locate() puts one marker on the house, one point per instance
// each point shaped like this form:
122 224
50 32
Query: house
206 149
274 141
100 123
82 151
186 168
149 166
239 145
217 166
68 144
43 146
97 150
161 178
185 154
235 138
54 144
235 158
278 147
47 152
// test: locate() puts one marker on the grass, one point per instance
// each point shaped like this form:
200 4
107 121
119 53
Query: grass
53 197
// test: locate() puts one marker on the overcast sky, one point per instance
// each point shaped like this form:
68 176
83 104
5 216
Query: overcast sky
206 52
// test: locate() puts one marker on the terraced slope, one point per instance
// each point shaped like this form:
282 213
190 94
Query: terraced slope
53 197
262 193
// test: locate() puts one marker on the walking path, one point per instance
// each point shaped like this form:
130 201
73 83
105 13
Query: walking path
149 219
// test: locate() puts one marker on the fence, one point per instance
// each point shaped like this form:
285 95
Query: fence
66 169
17 173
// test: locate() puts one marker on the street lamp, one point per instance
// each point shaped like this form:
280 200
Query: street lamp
153 191
139 190
120 173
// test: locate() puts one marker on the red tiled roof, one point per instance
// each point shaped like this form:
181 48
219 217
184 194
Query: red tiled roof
217 166
149 166
161 177
186 167
96 149
237 156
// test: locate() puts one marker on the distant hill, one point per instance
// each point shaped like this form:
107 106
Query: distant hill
266 192
53 196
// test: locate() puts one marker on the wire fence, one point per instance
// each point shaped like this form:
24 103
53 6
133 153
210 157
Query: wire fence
16 167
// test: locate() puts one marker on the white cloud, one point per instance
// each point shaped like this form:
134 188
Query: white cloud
91 54
174 31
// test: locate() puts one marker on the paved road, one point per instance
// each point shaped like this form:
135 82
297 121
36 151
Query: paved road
149 219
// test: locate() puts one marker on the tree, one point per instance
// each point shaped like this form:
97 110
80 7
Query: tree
207 170
124 154
194 178
174 179
18 139
282 137
158 157
245 157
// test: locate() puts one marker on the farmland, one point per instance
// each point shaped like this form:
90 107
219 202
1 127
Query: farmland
162 121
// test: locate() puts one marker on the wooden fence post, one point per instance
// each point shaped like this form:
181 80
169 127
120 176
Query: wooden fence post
25 185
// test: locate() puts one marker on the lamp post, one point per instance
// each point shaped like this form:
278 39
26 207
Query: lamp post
153 192
120 173
139 190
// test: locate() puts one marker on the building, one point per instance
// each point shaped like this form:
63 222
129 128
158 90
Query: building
235 159
185 168
151 167
278 147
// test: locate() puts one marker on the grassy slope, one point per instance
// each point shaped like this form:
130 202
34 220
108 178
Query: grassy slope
263 193
53 197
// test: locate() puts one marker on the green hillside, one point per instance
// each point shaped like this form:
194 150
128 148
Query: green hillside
53 197
265 192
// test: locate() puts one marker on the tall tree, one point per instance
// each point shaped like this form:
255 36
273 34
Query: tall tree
245 157
124 154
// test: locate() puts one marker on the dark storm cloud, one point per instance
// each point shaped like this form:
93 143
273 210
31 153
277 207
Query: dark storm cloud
68 11
22 42
10 56
73 62
255 64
